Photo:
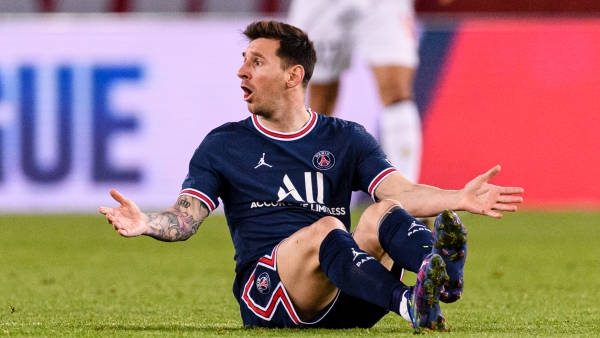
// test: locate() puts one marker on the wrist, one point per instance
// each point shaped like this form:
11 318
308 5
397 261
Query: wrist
146 222
458 199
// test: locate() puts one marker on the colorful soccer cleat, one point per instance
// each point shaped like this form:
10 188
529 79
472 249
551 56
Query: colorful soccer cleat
423 298
450 242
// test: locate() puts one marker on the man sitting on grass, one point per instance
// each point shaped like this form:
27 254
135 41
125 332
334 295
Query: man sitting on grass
285 176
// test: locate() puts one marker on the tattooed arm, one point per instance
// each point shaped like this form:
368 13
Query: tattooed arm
177 223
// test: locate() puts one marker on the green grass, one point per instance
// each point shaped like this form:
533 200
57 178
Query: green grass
529 274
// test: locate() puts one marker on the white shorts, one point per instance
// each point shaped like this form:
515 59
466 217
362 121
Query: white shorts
382 31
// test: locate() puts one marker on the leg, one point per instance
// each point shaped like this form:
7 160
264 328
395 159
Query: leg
317 260
329 25
393 236
394 82
390 234
400 123
366 233
300 271
323 97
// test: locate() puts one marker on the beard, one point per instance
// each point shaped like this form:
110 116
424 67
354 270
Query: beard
262 113
262 110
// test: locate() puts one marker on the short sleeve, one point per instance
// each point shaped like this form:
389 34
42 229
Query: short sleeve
203 180
372 163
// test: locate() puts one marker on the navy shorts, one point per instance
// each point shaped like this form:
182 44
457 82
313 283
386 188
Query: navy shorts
264 302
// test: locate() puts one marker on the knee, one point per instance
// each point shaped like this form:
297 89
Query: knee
307 242
366 233
378 210
321 228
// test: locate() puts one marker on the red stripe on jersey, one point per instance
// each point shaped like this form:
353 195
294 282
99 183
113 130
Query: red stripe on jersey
199 195
380 178
287 137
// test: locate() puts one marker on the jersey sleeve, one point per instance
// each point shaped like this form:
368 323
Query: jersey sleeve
372 163
203 180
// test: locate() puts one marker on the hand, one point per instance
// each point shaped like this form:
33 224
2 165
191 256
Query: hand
127 219
480 197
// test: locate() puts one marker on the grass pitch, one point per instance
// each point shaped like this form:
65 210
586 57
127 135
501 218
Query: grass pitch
529 274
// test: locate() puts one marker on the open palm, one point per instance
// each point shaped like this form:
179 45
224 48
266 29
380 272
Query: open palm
480 197
127 219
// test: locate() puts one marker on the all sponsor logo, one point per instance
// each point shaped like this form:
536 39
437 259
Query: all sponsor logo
312 196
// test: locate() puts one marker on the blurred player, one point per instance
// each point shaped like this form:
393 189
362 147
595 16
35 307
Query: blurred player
383 32
285 176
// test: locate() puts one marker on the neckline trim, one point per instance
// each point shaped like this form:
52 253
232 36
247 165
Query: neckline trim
286 136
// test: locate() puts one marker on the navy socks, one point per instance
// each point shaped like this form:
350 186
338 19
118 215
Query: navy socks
357 273
406 240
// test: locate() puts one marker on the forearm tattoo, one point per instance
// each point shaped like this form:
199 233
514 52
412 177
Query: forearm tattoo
179 222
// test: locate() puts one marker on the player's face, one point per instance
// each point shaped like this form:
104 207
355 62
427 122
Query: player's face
263 80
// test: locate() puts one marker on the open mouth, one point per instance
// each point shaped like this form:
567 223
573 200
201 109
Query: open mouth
247 92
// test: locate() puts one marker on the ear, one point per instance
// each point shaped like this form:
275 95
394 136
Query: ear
295 76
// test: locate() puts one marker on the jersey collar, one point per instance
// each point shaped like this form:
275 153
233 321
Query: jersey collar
312 121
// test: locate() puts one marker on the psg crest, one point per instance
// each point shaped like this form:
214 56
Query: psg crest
323 160
263 283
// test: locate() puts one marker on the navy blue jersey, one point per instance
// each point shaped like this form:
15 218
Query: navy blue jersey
273 184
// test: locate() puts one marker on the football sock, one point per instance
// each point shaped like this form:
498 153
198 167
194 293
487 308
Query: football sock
357 273
406 239
400 137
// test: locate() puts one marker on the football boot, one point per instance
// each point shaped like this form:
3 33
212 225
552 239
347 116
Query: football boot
450 242
423 298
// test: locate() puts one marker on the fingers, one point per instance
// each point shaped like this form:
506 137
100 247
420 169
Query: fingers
511 190
118 197
510 199
494 214
110 217
110 213
504 207
114 221
490 173
500 207
104 210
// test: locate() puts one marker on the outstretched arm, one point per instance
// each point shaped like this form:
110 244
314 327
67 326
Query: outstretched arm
478 196
177 223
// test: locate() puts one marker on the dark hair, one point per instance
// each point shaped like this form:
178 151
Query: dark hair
294 46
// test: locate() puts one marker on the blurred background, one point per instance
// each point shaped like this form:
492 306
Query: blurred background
96 94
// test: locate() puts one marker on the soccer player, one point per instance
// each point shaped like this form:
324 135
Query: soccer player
384 34
285 176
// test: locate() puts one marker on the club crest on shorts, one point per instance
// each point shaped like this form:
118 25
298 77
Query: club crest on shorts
323 160
263 283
